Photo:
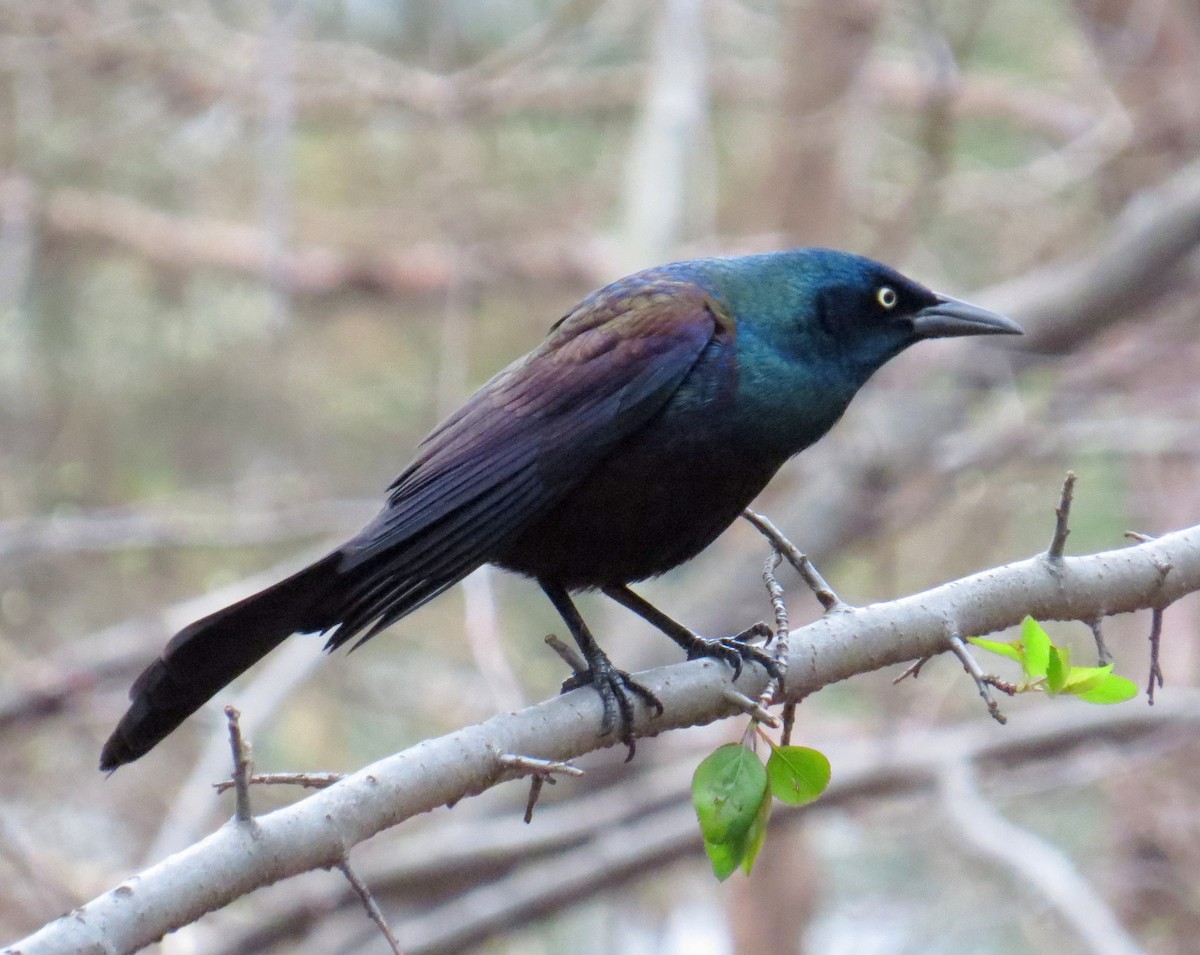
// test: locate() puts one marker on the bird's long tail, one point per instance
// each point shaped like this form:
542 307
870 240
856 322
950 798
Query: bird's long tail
207 655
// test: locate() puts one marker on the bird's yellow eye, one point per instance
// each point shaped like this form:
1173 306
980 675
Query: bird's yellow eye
886 296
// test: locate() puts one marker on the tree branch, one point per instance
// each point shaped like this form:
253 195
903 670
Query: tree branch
120 529
599 840
318 831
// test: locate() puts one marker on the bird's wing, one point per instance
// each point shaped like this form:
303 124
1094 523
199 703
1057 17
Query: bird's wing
523 441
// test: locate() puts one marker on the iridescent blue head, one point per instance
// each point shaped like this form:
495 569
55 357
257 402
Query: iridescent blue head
836 308
815 324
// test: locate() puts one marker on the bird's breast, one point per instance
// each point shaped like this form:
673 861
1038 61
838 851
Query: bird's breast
658 500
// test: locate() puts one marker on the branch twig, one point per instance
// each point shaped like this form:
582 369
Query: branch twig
1062 514
303 780
1103 656
754 708
241 767
804 567
789 723
569 654
782 629
982 680
912 670
1156 673
369 903
540 771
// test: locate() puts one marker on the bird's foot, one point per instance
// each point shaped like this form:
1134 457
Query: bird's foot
615 688
737 650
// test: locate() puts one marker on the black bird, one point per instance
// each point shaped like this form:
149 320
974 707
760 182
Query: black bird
620 447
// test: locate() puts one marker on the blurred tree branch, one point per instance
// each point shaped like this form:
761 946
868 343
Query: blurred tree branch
1060 303
318 831
1145 256
186 243
200 61
1047 871
34 538
119 652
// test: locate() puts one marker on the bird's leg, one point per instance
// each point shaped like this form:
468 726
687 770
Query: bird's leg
733 650
613 685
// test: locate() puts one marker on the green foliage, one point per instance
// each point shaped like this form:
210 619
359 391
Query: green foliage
798 774
1035 649
732 791
1048 669
728 790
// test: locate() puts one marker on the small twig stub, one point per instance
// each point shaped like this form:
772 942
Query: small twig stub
569 654
1062 515
540 771
535 793
912 670
1103 654
1156 673
754 708
533 766
241 766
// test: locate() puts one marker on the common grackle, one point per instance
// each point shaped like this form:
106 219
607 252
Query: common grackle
620 447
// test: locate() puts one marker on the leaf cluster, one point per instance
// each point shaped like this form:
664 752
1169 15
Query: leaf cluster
1047 668
733 790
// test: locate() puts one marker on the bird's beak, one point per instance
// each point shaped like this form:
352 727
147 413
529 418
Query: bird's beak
950 318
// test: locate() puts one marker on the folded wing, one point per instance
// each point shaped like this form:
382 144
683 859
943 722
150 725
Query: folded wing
518 445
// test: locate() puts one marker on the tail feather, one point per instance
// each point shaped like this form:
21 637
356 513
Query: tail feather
367 584
213 651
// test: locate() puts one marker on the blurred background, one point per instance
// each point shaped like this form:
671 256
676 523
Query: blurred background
251 252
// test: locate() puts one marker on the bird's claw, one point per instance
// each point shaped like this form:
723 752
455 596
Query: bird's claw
736 650
614 687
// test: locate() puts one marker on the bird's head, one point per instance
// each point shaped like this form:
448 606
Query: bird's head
873 312
845 308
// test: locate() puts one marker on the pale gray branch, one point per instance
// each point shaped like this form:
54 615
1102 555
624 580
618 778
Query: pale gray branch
317 831
562 860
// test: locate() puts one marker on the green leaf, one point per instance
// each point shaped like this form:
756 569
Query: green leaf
727 789
1058 667
1036 658
1082 679
1010 650
1112 689
758 833
724 857
798 774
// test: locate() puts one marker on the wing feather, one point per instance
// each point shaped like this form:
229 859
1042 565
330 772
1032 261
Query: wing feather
521 443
